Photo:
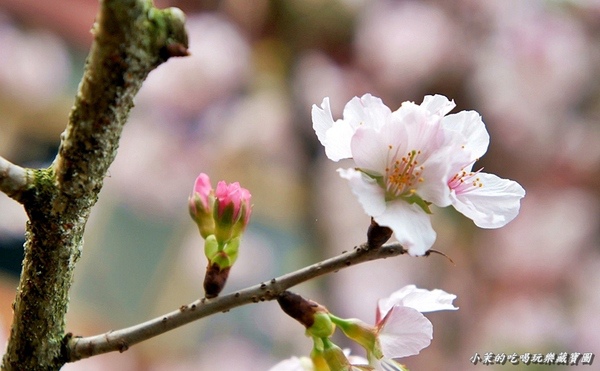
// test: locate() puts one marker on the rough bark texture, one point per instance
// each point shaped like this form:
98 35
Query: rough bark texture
131 39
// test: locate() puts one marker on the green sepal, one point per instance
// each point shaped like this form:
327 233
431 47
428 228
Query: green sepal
203 217
222 260
417 200
378 178
362 333
335 357
224 222
232 249
317 357
322 326
211 247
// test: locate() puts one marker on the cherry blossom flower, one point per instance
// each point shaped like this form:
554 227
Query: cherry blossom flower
411 158
490 201
401 329
402 332
403 159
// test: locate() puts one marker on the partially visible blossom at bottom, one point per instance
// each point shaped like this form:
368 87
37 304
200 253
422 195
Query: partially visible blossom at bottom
305 363
294 364
401 330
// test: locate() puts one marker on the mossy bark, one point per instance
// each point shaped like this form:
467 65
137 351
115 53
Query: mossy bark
131 39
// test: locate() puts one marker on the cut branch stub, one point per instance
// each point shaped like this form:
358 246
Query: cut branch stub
377 235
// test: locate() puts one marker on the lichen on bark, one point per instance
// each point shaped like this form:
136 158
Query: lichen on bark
131 39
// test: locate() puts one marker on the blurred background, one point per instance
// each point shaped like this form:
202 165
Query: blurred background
239 109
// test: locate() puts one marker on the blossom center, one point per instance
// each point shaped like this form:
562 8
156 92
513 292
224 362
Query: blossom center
402 174
465 181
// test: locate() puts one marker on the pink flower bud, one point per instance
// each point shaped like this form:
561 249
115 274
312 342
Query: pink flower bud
229 196
203 189
246 210
201 203
232 210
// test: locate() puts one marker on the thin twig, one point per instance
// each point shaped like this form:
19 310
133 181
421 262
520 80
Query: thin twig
84 347
14 180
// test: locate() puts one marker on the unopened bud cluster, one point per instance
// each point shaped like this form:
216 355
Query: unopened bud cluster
222 215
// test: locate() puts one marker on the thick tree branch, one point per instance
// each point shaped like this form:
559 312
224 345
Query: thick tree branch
121 340
131 39
14 180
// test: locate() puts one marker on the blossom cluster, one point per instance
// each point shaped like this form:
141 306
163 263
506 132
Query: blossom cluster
411 158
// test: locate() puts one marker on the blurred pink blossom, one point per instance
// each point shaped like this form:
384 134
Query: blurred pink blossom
34 65
546 241
317 76
405 43
534 67
219 64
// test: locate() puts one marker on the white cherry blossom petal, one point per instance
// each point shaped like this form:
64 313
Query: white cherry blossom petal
411 226
420 299
470 125
322 120
370 194
366 111
490 201
338 141
424 130
334 136
435 170
372 150
404 332
438 104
